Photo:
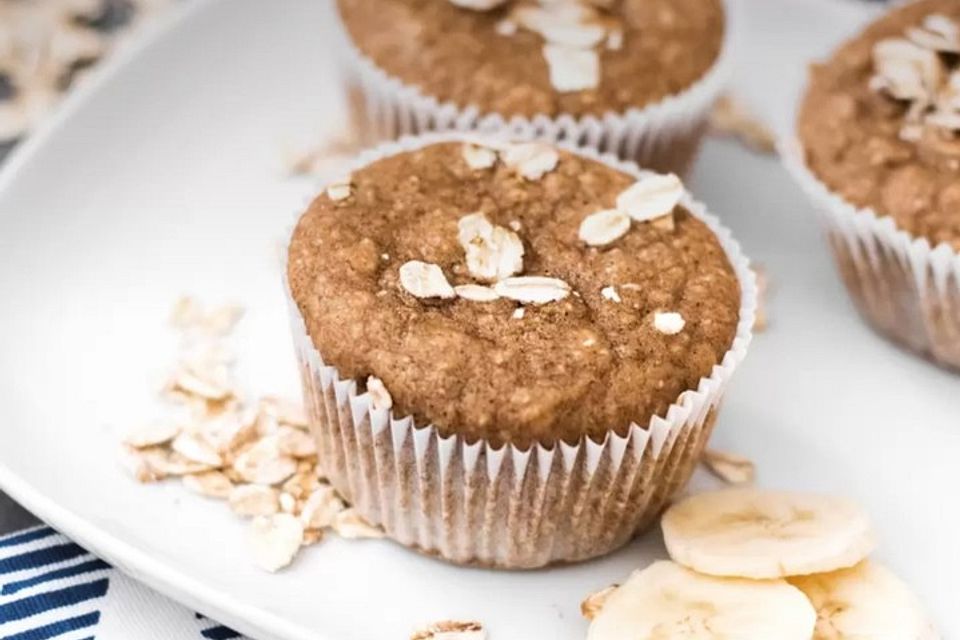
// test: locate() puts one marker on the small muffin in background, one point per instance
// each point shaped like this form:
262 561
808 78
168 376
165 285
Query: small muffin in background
632 77
513 353
878 149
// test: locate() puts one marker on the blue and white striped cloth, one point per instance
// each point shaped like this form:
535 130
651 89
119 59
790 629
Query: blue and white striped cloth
51 587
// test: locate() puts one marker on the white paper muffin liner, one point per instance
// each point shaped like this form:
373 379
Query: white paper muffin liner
664 136
905 288
473 503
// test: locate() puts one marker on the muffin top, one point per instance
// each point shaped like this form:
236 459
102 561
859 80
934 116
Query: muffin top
880 124
523 57
502 296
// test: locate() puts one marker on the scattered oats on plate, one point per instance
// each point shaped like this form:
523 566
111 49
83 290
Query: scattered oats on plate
451 630
259 458
594 602
730 117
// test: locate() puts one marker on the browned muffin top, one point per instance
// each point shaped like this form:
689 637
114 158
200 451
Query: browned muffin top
880 124
645 50
643 318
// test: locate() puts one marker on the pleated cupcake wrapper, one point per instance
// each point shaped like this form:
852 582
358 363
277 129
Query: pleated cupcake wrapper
664 136
905 288
473 503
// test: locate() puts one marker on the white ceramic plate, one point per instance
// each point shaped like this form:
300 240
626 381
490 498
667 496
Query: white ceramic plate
165 176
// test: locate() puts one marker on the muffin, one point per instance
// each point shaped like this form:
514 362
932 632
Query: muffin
878 149
512 354
632 77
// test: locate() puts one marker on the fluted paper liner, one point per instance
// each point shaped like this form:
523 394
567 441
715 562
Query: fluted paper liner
664 136
472 503
905 288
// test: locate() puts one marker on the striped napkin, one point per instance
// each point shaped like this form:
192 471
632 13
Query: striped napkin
50 587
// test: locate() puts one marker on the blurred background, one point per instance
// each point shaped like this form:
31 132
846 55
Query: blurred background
47 47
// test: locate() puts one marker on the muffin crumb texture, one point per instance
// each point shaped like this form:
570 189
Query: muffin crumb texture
880 124
524 342
578 58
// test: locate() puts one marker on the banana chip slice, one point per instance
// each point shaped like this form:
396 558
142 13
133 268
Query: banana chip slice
865 601
751 533
666 600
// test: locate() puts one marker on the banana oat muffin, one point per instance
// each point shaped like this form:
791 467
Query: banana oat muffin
591 361
496 60
494 340
880 124
621 75
879 151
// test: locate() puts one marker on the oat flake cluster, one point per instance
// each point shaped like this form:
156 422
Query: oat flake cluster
923 69
259 457
493 254
650 199
572 31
